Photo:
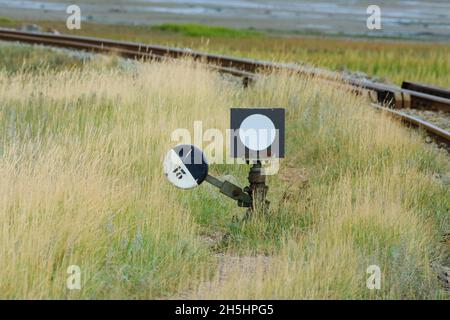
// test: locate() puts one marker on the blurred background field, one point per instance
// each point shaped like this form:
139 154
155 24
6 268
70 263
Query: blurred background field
408 19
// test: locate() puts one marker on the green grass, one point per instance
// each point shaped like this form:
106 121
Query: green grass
201 30
5 21
15 59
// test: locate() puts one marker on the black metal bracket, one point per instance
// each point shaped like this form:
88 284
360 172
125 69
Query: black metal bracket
232 191
252 196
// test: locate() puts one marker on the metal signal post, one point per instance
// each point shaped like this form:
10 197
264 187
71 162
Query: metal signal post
258 136
257 188
252 196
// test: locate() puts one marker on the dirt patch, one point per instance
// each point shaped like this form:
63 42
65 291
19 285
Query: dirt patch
227 266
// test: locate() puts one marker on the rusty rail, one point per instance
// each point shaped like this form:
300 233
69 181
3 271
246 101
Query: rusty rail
426 88
395 97
410 96
124 49
438 134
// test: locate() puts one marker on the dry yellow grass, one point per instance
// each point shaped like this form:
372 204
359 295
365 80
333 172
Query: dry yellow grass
82 184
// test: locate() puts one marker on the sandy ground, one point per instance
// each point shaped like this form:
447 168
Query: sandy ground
227 267
406 18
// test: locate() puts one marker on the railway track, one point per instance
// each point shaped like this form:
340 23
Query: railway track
386 98
411 95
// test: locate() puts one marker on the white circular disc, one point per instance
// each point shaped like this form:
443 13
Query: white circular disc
257 132
185 166
177 173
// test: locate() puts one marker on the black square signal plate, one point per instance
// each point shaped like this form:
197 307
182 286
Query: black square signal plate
257 133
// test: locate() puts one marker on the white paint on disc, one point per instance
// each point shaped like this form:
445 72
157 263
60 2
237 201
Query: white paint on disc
257 132
177 173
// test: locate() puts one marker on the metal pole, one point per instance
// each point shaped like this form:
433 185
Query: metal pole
257 189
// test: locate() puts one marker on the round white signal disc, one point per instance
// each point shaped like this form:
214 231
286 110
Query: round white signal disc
185 166
257 132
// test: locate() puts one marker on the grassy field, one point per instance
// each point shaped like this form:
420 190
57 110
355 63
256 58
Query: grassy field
386 60
82 184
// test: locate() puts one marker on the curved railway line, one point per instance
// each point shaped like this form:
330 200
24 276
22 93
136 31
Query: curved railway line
385 97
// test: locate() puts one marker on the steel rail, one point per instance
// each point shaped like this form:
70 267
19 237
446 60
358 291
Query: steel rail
247 69
238 63
125 49
387 94
426 88
435 132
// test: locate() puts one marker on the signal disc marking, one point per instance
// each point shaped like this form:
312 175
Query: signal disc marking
185 170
